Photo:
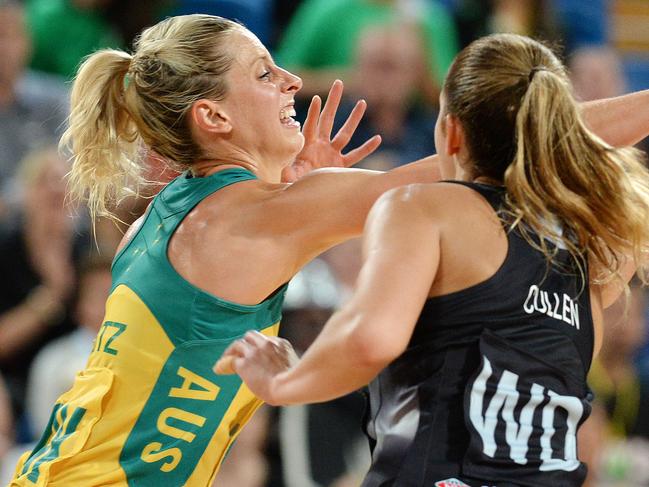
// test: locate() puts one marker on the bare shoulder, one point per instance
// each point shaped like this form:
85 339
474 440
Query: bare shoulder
240 206
435 199
132 230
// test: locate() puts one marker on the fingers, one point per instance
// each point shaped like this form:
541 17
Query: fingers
344 135
310 125
360 153
225 366
329 111
275 349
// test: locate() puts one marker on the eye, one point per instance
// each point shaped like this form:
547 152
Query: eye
265 76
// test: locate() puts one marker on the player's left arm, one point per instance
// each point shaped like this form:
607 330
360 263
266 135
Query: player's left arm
620 121
375 325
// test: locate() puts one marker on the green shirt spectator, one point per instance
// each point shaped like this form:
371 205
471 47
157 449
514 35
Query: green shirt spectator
65 31
323 33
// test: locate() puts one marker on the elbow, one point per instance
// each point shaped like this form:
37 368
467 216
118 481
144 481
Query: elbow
371 350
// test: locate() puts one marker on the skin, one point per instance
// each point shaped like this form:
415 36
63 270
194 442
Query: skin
267 223
360 339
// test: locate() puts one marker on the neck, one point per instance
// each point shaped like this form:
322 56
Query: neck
206 167
228 155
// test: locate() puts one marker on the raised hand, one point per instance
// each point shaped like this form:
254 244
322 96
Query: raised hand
320 150
257 359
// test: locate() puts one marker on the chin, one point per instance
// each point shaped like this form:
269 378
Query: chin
297 144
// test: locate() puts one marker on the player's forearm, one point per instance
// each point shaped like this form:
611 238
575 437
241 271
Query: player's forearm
620 121
332 204
336 364
425 170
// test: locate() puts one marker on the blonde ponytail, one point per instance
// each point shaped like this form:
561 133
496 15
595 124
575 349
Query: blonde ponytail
564 184
123 104
101 134
568 185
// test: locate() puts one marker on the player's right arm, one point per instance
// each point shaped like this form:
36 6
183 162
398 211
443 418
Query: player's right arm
329 206
327 202
375 325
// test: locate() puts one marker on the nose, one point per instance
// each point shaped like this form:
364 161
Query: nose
292 83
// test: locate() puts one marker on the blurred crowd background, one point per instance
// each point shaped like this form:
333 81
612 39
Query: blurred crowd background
393 53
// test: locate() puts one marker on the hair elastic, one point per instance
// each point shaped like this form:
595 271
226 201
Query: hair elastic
533 71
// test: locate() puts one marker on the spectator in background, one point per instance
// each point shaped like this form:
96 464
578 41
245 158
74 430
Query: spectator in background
596 72
65 31
128 18
582 24
256 15
613 377
390 65
32 107
533 18
53 370
471 18
621 395
37 257
575 24
321 39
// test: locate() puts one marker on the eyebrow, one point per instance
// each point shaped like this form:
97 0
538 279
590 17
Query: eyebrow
263 57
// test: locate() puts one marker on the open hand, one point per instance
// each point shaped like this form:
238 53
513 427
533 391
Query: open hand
320 150
257 359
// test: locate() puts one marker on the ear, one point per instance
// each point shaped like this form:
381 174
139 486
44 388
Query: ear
209 116
454 135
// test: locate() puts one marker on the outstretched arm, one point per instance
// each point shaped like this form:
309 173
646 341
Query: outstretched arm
371 330
320 150
328 201
620 121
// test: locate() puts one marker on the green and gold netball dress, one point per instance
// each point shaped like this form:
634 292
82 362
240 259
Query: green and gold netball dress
148 410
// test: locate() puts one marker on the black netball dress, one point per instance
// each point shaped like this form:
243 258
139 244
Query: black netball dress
492 387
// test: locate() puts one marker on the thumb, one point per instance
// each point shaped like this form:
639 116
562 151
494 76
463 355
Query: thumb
224 366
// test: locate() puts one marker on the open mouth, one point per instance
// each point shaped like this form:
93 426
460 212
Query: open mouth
286 117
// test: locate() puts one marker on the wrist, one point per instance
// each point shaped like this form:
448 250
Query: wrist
276 390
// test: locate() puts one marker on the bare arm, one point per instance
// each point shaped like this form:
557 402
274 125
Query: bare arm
620 121
611 291
324 207
329 206
372 329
